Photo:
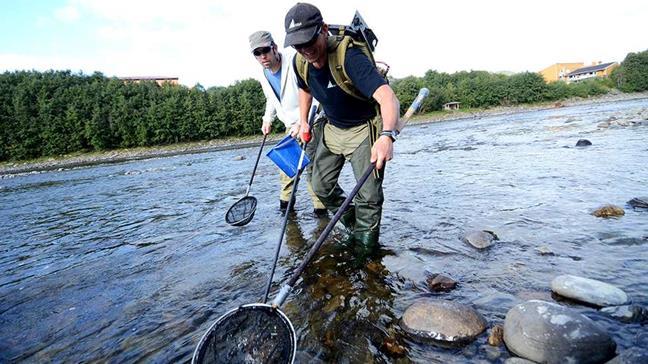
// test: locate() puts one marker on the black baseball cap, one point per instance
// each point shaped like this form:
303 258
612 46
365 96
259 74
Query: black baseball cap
301 23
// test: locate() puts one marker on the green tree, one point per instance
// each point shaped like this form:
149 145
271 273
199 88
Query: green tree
632 74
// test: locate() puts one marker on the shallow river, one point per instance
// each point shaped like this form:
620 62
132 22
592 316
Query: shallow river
132 262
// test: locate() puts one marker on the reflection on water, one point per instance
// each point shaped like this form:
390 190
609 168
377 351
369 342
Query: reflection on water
134 261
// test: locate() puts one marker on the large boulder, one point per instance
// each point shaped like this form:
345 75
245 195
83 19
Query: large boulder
549 333
441 320
588 290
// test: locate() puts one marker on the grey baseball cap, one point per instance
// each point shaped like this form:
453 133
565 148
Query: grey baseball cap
301 23
260 39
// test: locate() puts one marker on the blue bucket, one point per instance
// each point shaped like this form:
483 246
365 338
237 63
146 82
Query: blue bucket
286 156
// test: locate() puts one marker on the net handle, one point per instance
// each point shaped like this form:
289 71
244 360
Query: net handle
256 164
311 118
285 289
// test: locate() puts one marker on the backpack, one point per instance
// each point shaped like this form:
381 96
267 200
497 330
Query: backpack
343 37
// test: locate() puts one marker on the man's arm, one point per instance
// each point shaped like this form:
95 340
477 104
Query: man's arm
268 116
383 149
305 101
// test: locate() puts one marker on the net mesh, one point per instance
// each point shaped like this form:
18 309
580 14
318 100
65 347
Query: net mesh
251 334
242 211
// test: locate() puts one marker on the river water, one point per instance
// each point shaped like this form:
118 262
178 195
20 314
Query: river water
132 262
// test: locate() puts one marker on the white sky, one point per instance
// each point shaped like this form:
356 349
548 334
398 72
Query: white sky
206 41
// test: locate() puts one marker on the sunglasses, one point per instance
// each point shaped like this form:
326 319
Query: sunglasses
310 43
263 50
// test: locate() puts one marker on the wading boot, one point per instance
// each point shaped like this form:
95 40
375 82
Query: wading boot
320 213
365 244
348 219
283 206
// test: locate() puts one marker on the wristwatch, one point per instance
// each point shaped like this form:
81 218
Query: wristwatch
393 134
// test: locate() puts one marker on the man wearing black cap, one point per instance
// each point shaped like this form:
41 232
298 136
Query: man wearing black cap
354 132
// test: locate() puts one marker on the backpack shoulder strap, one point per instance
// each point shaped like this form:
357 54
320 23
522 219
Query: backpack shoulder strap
301 66
337 48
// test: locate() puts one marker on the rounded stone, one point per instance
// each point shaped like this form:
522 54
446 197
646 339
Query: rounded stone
549 333
441 283
639 202
583 143
441 320
480 239
609 211
516 360
588 290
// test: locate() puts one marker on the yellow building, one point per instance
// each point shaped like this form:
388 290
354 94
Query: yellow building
559 71
595 70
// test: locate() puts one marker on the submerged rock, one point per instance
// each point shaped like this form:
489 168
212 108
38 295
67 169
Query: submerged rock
480 239
549 333
588 290
393 348
609 211
583 143
639 202
631 356
440 320
516 360
629 313
496 337
544 250
496 302
441 283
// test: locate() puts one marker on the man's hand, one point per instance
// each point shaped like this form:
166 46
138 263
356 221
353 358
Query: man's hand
382 151
305 134
265 128
294 130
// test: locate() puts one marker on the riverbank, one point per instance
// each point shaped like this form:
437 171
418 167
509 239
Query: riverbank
8 169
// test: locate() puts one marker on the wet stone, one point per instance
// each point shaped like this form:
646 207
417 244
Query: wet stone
588 290
335 303
393 348
609 211
633 355
544 250
480 239
491 352
496 337
583 143
549 333
628 313
498 302
441 283
440 320
516 360
639 202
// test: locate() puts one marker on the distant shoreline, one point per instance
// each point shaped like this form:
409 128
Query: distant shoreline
10 169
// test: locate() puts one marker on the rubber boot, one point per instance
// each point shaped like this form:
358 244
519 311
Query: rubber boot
283 206
348 219
366 242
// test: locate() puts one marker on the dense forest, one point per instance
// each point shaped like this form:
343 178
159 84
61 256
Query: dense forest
59 112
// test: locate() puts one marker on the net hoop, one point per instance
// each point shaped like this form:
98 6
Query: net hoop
197 357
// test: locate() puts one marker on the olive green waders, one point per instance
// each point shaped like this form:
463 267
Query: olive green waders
352 144
287 182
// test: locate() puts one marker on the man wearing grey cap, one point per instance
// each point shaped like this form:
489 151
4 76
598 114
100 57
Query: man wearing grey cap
354 131
279 84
